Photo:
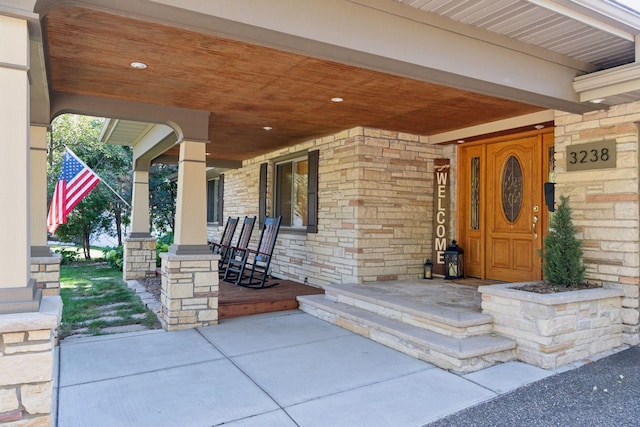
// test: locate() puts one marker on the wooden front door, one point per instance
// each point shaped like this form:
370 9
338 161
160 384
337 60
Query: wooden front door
502 212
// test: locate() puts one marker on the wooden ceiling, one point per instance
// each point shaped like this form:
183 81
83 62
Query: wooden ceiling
246 87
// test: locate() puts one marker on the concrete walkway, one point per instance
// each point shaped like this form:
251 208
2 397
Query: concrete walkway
278 369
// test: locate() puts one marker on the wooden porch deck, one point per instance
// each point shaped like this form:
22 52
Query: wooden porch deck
237 301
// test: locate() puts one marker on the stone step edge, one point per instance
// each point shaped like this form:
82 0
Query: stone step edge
451 318
460 348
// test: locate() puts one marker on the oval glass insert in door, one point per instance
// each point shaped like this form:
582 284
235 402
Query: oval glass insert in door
512 189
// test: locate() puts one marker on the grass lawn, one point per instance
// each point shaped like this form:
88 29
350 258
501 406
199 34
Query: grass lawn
95 297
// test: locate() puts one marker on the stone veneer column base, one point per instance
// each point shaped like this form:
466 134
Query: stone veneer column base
189 291
552 330
46 272
26 364
139 258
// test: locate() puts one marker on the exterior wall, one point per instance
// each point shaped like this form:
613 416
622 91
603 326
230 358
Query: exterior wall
605 203
375 203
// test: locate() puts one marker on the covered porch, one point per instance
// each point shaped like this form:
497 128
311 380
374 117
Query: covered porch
362 99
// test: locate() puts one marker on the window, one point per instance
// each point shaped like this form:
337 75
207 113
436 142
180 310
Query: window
296 192
291 192
215 194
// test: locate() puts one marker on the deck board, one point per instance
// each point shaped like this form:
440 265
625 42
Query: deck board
236 301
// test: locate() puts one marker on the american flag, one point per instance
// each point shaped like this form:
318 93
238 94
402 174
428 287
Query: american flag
76 180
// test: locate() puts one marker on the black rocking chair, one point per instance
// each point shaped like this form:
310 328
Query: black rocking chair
224 247
241 244
250 268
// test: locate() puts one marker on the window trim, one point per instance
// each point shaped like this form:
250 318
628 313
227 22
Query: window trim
218 204
312 158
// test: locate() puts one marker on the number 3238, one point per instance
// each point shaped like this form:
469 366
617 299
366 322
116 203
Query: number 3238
589 156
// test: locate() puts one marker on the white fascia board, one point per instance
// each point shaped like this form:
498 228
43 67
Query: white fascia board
608 83
401 44
491 127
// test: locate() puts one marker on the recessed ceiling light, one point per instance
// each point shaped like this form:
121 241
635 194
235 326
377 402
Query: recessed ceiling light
597 101
337 99
138 65
539 127
460 141
267 127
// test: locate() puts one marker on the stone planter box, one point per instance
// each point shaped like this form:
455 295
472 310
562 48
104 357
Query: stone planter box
552 330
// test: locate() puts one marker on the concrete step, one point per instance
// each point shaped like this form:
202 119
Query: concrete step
461 355
451 322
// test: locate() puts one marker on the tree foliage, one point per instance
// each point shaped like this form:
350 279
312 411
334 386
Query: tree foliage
100 211
162 197
562 255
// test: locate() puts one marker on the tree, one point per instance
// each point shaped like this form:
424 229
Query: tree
162 197
562 254
101 209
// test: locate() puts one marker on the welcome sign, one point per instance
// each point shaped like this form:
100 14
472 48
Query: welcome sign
441 213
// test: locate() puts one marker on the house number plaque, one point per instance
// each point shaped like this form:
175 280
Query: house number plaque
593 155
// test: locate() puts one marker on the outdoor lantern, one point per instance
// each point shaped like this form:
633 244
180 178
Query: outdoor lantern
453 262
428 270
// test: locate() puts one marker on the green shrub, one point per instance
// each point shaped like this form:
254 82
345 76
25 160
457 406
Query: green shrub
562 255
68 255
115 257
162 245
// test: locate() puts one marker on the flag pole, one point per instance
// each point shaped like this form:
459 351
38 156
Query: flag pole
101 180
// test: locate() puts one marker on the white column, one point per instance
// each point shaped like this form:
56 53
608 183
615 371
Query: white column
140 205
38 191
17 290
191 205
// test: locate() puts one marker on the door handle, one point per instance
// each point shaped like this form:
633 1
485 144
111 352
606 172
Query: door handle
535 222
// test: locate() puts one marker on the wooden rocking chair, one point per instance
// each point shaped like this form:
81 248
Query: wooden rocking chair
250 268
242 244
224 247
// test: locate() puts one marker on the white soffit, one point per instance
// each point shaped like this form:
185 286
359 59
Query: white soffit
123 132
592 31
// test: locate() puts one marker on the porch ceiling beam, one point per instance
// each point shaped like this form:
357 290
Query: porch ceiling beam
211 163
379 35
188 124
494 127
368 34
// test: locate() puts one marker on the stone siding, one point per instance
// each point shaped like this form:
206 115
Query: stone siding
189 295
139 258
605 203
46 272
375 198
27 342
552 330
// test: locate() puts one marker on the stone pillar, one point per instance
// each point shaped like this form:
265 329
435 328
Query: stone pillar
139 258
189 270
27 343
45 266
140 247
189 294
18 292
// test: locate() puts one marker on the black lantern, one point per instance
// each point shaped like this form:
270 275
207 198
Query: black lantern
427 270
453 262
